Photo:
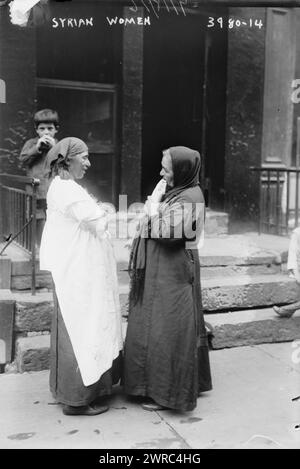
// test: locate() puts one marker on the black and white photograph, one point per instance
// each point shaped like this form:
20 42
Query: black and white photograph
149 227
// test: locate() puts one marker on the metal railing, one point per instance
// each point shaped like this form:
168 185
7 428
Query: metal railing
279 199
18 209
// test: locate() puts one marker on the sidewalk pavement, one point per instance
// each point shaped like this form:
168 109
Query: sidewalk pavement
250 406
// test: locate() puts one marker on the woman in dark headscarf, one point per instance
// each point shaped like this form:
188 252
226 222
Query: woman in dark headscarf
86 325
166 349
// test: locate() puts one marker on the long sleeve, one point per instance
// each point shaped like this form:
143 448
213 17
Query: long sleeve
178 222
29 153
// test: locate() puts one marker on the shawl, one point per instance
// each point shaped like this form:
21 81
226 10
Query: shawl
186 166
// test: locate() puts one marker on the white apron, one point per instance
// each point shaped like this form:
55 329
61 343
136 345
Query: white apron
76 249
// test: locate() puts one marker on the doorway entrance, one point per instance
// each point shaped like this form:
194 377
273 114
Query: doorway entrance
78 74
184 98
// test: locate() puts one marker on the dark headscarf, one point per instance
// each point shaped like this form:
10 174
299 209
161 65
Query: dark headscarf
66 148
186 166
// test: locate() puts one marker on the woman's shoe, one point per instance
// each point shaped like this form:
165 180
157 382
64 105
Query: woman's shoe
152 406
91 409
283 313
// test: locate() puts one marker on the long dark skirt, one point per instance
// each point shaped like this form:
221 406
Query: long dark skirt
65 379
166 348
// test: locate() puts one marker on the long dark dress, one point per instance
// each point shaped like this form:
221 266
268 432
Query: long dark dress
166 348
65 379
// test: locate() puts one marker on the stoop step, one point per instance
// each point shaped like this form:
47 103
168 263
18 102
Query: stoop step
243 291
33 313
33 352
231 329
221 293
252 327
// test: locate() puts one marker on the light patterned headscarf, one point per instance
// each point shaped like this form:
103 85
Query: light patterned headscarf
66 148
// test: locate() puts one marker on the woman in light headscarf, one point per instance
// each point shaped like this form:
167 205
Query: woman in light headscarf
86 327
166 349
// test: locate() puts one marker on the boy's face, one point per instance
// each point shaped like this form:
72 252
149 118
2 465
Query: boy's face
46 129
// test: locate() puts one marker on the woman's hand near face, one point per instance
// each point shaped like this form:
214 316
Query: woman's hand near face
153 200
159 191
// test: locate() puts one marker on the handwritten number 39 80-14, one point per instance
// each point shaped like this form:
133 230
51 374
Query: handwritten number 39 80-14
233 22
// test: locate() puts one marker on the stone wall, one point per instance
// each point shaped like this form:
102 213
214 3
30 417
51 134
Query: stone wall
244 119
132 93
18 70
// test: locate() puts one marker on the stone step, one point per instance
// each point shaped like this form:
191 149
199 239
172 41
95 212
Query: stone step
20 270
32 352
221 293
227 256
220 271
23 282
240 270
216 223
228 251
33 313
252 327
210 267
233 329
244 291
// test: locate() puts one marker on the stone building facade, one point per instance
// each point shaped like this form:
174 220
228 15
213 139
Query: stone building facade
163 78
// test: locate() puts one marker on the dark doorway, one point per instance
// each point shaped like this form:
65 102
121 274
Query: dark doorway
184 101
79 74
